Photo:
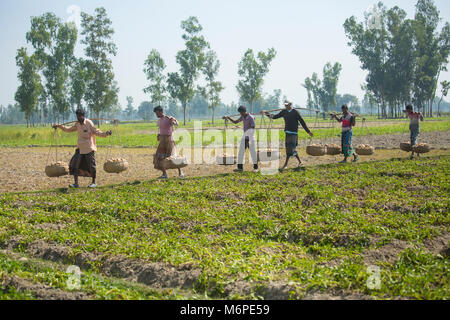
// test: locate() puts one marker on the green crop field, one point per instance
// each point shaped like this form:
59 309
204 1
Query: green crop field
236 236
144 134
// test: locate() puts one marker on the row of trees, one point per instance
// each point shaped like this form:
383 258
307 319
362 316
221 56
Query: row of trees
322 92
199 107
198 59
53 81
403 57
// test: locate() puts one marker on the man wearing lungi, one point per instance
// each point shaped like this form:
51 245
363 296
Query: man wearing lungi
248 140
83 162
348 121
166 146
414 125
291 120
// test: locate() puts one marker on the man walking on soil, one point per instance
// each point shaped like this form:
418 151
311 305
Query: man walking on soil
348 122
291 120
166 147
414 125
248 140
83 162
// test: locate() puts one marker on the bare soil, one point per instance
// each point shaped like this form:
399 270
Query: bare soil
156 275
390 252
22 169
41 291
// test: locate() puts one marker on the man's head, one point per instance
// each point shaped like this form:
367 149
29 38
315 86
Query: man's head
344 109
288 105
242 110
159 111
409 109
80 115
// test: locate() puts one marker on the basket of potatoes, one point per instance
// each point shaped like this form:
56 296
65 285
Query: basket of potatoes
115 165
57 169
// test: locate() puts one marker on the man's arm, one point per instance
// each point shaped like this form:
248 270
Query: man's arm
65 129
303 123
173 120
98 132
335 117
233 121
277 116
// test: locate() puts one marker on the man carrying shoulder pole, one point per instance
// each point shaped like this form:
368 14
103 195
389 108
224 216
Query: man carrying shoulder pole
291 120
166 146
248 140
83 162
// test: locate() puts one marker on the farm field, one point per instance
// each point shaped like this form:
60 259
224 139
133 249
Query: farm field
23 168
144 134
315 233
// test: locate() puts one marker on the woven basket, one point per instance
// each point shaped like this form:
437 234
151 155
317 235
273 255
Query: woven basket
268 155
365 150
405 146
333 149
422 148
115 165
57 169
226 160
316 150
175 162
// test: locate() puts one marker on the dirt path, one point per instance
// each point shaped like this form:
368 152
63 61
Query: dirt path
207 125
434 139
22 169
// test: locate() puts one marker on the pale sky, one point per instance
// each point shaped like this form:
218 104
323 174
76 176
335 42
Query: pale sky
305 34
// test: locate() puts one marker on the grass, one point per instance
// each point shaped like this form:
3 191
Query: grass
311 228
144 134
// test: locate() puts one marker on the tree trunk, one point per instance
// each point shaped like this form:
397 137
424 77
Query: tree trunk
439 106
184 111
213 115
431 108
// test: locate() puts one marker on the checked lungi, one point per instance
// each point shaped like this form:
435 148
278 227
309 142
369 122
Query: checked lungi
83 165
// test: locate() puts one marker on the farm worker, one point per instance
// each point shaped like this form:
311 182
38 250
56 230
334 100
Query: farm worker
166 146
248 140
291 120
414 127
348 121
83 162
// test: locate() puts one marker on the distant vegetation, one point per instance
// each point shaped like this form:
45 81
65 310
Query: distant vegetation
404 59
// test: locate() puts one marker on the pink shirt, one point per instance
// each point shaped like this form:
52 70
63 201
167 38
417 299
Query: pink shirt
86 135
165 126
